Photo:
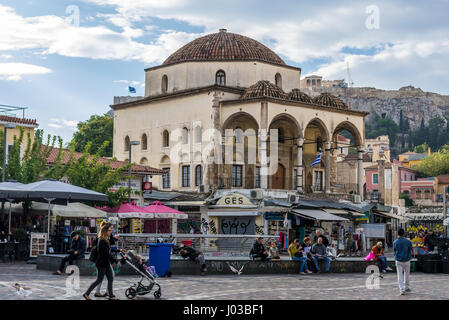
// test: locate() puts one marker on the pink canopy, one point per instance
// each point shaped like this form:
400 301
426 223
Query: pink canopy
129 210
163 212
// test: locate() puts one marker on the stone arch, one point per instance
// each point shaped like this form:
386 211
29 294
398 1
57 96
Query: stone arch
143 161
164 83
244 153
165 159
352 129
296 127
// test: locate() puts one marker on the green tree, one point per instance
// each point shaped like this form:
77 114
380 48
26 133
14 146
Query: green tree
96 130
421 148
28 166
95 173
436 164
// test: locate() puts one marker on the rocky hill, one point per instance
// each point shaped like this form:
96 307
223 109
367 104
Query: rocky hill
414 103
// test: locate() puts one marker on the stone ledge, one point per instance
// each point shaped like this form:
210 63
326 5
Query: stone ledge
215 266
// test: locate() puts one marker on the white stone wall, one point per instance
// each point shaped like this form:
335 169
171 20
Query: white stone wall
188 75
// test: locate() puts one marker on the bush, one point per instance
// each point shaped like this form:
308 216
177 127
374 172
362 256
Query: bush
408 202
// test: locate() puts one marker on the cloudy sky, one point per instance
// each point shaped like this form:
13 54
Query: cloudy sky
65 60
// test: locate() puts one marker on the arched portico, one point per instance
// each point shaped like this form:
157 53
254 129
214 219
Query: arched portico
316 139
356 141
288 132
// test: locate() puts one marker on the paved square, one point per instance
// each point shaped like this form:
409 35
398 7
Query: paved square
46 286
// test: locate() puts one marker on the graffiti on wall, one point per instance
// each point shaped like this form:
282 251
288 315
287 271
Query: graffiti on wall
236 225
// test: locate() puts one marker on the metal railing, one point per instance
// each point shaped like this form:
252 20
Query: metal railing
210 244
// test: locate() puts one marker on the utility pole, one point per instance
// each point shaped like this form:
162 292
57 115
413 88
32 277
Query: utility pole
445 211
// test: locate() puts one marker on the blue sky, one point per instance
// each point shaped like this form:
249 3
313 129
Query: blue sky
64 72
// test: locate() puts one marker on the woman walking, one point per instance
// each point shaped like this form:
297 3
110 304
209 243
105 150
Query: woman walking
103 262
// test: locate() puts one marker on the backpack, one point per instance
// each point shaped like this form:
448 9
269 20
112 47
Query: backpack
94 253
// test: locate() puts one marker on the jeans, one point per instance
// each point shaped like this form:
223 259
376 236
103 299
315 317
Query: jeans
102 271
328 262
200 259
403 269
70 258
263 256
99 286
303 264
383 259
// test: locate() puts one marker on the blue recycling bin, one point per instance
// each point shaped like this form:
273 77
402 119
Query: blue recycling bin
159 257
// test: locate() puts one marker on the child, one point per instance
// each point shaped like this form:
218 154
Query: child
273 251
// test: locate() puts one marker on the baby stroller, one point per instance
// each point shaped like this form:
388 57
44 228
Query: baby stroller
139 288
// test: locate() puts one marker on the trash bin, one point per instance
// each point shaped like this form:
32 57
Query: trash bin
159 257
445 266
432 266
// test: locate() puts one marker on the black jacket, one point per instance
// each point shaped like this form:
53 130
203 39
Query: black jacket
429 241
258 248
78 245
191 253
104 256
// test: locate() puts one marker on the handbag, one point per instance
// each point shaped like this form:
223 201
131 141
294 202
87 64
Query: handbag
94 253
369 257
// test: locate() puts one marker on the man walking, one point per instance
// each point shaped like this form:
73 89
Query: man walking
403 254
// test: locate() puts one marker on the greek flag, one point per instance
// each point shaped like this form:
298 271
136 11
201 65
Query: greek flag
317 160
131 89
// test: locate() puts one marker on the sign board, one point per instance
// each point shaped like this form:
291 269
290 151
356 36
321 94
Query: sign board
277 216
147 188
446 222
365 217
373 230
38 244
135 185
234 200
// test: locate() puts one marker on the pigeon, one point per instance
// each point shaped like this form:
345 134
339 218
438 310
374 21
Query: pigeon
238 272
23 292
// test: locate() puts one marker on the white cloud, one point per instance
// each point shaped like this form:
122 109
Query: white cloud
59 123
14 71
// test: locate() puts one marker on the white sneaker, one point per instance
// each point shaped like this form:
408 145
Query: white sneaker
389 269
384 271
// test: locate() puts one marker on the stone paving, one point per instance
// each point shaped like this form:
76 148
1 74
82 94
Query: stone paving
46 286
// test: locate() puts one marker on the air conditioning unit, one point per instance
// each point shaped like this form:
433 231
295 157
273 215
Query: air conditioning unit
256 194
291 197
204 188
356 198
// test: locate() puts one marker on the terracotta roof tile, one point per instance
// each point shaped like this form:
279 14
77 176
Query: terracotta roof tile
32 122
224 46
264 88
115 164
298 95
327 99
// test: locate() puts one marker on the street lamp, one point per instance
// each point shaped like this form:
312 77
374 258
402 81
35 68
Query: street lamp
131 143
6 126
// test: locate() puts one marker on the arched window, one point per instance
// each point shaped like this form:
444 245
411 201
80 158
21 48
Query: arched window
144 161
165 139
185 135
164 84
144 142
278 80
198 175
198 134
220 78
126 143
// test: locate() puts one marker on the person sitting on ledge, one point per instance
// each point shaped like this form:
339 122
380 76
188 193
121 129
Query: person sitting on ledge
296 253
76 251
258 251
319 252
378 252
273 253
194 255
